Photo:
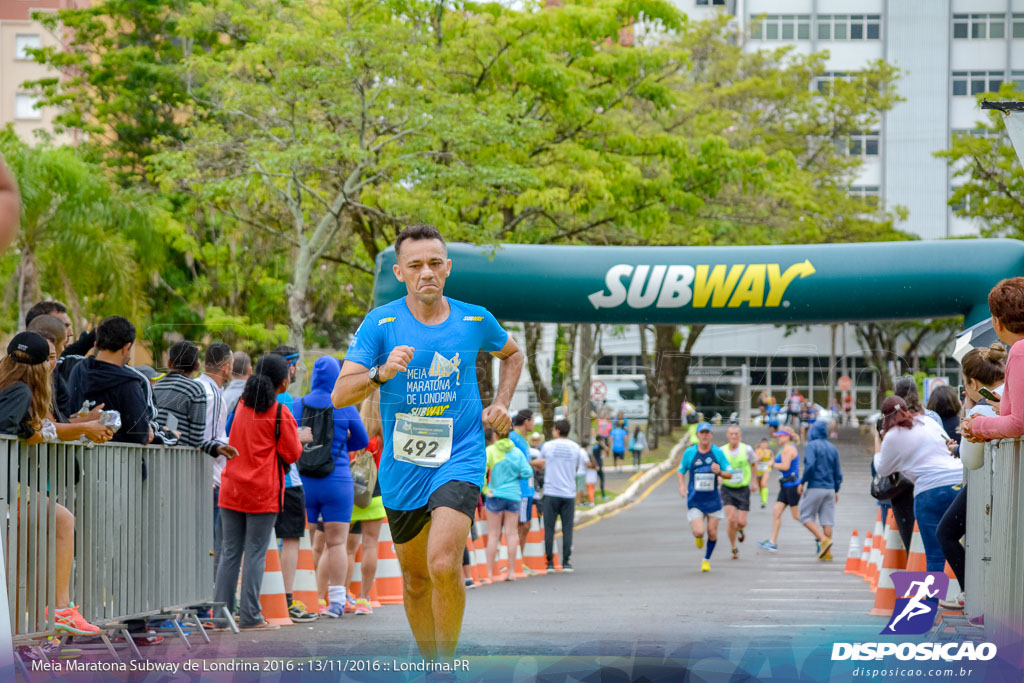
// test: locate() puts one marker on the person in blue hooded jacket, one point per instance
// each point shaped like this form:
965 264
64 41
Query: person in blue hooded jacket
819 487
330 498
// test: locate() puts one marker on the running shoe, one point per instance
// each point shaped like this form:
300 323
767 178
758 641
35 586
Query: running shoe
824 548
735 553
567 567
769 546
528 571
71 621
262 626
470 584
297 612
705 566
699 541
322 605
363 606
956 603
741 536
335 610
827 557
551 567
350 604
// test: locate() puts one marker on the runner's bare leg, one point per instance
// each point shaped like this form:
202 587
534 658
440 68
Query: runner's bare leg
449 529
417 591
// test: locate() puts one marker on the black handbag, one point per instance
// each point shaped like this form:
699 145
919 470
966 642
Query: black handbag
889 487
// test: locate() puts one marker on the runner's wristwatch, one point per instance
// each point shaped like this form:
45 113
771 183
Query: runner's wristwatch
374 375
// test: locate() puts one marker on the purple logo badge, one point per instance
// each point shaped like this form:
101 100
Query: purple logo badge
915 611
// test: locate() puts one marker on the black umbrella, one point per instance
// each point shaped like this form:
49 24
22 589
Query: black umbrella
978 335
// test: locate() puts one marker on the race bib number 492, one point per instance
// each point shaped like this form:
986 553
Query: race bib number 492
423 441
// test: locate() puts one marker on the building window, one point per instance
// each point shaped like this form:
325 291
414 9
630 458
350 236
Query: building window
849 26
864 191
979 26
823 83
1018 26
705 3
1018 79
620 365
26 41
859 144
985 133
963 204
25 107
976 82
781 27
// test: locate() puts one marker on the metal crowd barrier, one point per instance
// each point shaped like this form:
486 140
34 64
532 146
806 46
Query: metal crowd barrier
143 529
995 547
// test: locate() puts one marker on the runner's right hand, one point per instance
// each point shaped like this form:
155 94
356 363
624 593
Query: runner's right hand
397 362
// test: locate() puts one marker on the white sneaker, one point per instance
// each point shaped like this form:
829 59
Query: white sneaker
956 603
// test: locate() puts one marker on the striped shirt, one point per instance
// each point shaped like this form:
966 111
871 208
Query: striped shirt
185 399
216 419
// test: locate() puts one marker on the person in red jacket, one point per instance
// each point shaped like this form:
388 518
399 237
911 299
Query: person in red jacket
251 490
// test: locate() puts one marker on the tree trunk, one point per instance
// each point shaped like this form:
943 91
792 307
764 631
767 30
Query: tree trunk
485 377
581 406
683 367
547 402
28 283
298 306
654 388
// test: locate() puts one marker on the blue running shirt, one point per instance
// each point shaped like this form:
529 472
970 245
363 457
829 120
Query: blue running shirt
440 382
698 465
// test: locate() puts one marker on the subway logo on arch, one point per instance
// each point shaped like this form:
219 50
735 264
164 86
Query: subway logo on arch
754 285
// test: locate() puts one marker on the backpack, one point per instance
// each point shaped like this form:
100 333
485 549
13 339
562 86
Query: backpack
316 460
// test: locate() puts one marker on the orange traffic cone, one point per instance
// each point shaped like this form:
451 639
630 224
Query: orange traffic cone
533 554
864 555
389 573
895 561
272 601
853 555
876 562
916 561
304 589
876 544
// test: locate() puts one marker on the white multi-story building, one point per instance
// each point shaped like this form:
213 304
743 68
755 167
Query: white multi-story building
18 33
948 52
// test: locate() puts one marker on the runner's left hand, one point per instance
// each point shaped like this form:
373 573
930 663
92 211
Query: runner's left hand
497 418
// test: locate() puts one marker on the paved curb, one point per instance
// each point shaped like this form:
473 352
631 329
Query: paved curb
635 489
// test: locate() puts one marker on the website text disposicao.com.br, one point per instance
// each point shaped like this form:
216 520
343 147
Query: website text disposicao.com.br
868 672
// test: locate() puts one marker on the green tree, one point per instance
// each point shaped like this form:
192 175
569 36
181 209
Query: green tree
988 180
82 239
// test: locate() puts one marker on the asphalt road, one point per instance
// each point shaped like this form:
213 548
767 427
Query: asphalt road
637 591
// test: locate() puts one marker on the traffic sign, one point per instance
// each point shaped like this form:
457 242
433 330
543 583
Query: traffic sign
598 390
845 383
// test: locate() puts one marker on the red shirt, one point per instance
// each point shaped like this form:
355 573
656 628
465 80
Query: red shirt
376 446
251 481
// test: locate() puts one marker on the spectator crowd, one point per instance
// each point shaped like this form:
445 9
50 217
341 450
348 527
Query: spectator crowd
282 463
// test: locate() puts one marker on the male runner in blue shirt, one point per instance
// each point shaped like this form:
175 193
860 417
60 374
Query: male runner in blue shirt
421 351
698 473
